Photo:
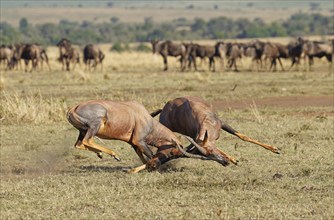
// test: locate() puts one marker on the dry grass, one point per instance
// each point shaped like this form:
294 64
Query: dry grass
43 176
31 109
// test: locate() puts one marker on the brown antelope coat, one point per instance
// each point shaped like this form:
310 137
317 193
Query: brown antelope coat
125 121
191 116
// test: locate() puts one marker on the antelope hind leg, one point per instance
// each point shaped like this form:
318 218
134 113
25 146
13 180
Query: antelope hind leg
78 144
92 146
89 143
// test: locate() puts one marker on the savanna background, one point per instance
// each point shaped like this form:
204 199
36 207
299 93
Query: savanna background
43 176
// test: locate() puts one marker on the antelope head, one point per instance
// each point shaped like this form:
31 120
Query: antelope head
208 149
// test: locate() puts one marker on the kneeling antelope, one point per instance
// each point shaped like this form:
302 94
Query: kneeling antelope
191 116
128 121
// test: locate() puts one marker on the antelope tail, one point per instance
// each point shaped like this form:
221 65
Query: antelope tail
229 129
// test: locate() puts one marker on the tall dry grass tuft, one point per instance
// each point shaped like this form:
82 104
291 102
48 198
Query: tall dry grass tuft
2 83
256 112
31 109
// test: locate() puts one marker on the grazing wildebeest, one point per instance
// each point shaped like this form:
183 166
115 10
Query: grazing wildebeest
191 116
68 54
92 53
6 56
317 49
168 48
127 121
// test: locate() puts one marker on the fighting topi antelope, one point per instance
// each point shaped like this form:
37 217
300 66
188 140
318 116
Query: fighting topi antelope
129 121
191 116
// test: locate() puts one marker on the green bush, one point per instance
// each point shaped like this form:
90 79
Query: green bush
143 48
298 24
119 47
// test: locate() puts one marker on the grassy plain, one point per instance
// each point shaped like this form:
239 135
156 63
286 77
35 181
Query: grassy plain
43 176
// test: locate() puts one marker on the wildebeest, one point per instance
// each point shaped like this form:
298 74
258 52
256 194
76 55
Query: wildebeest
67 54
127 121
27 52
94 54
317 49
191 116
6 56
168 48
44 57
255 50
232 51
275 51
201 51
295 50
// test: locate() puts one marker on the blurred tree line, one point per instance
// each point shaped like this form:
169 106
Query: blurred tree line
179 29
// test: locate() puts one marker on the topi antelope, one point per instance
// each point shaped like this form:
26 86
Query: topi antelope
191 116
128 121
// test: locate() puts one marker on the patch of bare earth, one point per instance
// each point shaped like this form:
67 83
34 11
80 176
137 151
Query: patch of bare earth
281 102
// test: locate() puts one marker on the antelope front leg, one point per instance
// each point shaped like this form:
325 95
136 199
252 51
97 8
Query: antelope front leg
137 169
140 154
161 157
266 146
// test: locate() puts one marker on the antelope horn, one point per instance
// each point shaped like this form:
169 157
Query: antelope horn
201 149
187 154
190 155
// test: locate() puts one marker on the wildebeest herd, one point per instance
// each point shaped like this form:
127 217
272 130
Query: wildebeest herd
11 55
264 55
260 53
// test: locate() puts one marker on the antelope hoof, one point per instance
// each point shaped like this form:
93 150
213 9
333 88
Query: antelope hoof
235 162
99 155
277 151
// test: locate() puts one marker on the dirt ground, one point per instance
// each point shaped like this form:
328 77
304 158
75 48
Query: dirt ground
284 101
